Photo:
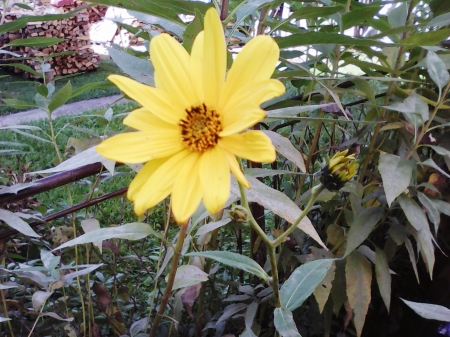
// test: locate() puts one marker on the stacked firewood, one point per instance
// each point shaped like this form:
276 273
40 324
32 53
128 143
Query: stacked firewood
70 56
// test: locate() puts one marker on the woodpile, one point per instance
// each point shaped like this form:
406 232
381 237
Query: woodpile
70 56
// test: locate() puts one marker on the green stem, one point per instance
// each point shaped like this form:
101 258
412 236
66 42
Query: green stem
275 283
315 191
170 281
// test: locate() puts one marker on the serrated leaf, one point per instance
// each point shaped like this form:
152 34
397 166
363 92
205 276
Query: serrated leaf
418 220
358 275
362 226
234 260
383 276
130 231
189 275
285 147
284 323
429 311
61 97
302 282
396 174
278 203
17 223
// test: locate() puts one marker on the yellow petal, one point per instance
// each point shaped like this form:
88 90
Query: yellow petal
187 192
255 93
214 57
142 119
240 118
215 179
143 175
196 63
160 183
254 63
251 145
128 147
157 101
139 147
236 169
171 63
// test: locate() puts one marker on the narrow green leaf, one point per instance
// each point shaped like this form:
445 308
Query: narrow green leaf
61 97
383 276
439 21
235 261
130 231
432 210
18 104
167 25
284 323
418 220
24 68
34 42
362 226
302 282
430 38
429 311
90 86
430 162
396 174
192 30
358 275
437 71
285 148
357 16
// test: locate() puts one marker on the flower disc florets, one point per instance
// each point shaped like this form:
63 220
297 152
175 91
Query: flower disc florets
340 169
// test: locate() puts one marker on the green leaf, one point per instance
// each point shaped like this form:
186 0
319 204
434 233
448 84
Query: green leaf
39 298
61 97
23 6
24 68
430 162
357 16
13 221
139 69
192 30
439 21
414 108
383 276
130 231
235 261
437 71
18 104
189 275
418 220
432 210
442 206
90 86
302 282
397 16
429 311
358 275
284 323
396 174
285 148
323 289
34 42
304 39
431 38
279 203
362 226
167 25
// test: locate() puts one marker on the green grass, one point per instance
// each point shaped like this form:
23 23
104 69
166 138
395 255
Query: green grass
38 155
14 86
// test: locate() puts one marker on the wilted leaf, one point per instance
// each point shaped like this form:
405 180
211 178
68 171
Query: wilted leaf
383 276
59 318
39 298
358 274
103 295
418 220
285 147
284 323
396 174
323 289
338 291
362 226
188 297
235 261
302 282
188 275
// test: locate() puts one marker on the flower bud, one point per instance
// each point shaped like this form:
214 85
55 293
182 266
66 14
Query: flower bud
238 213
340 169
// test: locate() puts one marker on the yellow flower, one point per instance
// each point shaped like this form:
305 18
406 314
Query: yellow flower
340 169
191 123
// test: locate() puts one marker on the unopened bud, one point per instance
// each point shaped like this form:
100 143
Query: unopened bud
238 213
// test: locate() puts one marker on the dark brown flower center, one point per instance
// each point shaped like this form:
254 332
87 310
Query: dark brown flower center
200 128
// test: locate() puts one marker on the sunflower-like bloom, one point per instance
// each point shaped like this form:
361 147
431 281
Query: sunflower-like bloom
191 123
340 169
